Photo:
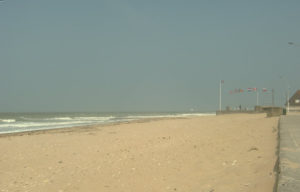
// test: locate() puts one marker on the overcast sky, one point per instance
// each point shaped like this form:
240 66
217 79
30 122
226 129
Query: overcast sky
134 55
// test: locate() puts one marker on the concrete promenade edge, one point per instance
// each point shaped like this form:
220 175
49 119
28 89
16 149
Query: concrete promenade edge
289 154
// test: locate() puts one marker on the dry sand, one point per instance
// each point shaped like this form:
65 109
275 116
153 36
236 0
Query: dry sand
209 154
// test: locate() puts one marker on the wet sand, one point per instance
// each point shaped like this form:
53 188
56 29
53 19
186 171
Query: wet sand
215 153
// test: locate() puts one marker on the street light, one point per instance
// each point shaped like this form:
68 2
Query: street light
288 87
288 92
286 82
294 44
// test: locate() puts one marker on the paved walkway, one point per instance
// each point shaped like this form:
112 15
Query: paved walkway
289 154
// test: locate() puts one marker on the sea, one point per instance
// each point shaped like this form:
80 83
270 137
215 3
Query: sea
23 122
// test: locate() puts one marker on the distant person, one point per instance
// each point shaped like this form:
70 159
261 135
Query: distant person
240 107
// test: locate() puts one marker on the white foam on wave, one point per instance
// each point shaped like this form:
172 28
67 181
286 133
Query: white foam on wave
80 118
95 118
60 118
196 114
7 120
30 127
57 122
170 116
38 124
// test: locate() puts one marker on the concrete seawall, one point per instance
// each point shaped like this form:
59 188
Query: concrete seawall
289 154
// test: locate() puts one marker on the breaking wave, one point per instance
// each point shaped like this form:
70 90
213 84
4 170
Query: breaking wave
7 120
31 122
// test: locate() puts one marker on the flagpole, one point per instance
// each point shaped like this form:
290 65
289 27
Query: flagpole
220 100
257 98
288 99
273 102
220 96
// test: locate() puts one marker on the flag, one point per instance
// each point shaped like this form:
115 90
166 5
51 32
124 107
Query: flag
264 90
252 89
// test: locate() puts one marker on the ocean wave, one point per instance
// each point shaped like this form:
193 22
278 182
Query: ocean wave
95 118
80 118
7 120
29 123
197 114
56 122
40 124
170 115
60 118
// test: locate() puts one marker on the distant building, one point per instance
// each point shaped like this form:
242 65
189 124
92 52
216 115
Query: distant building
294 102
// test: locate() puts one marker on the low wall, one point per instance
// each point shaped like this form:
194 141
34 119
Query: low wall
235 112
274 111
271 111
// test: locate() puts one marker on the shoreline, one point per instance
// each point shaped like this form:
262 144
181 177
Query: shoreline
83 128
32 122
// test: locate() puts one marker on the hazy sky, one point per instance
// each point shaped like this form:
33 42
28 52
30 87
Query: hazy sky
134 55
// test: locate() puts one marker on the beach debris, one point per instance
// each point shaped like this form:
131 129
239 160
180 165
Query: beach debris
60 162
246 184
253 148
234 162
164 138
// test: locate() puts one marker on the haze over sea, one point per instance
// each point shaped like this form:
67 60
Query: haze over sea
21 122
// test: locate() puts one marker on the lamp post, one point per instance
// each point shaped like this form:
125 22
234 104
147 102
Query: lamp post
288 99
293 44
288 87
287 93
220 95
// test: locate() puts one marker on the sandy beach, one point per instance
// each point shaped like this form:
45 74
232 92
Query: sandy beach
200 154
